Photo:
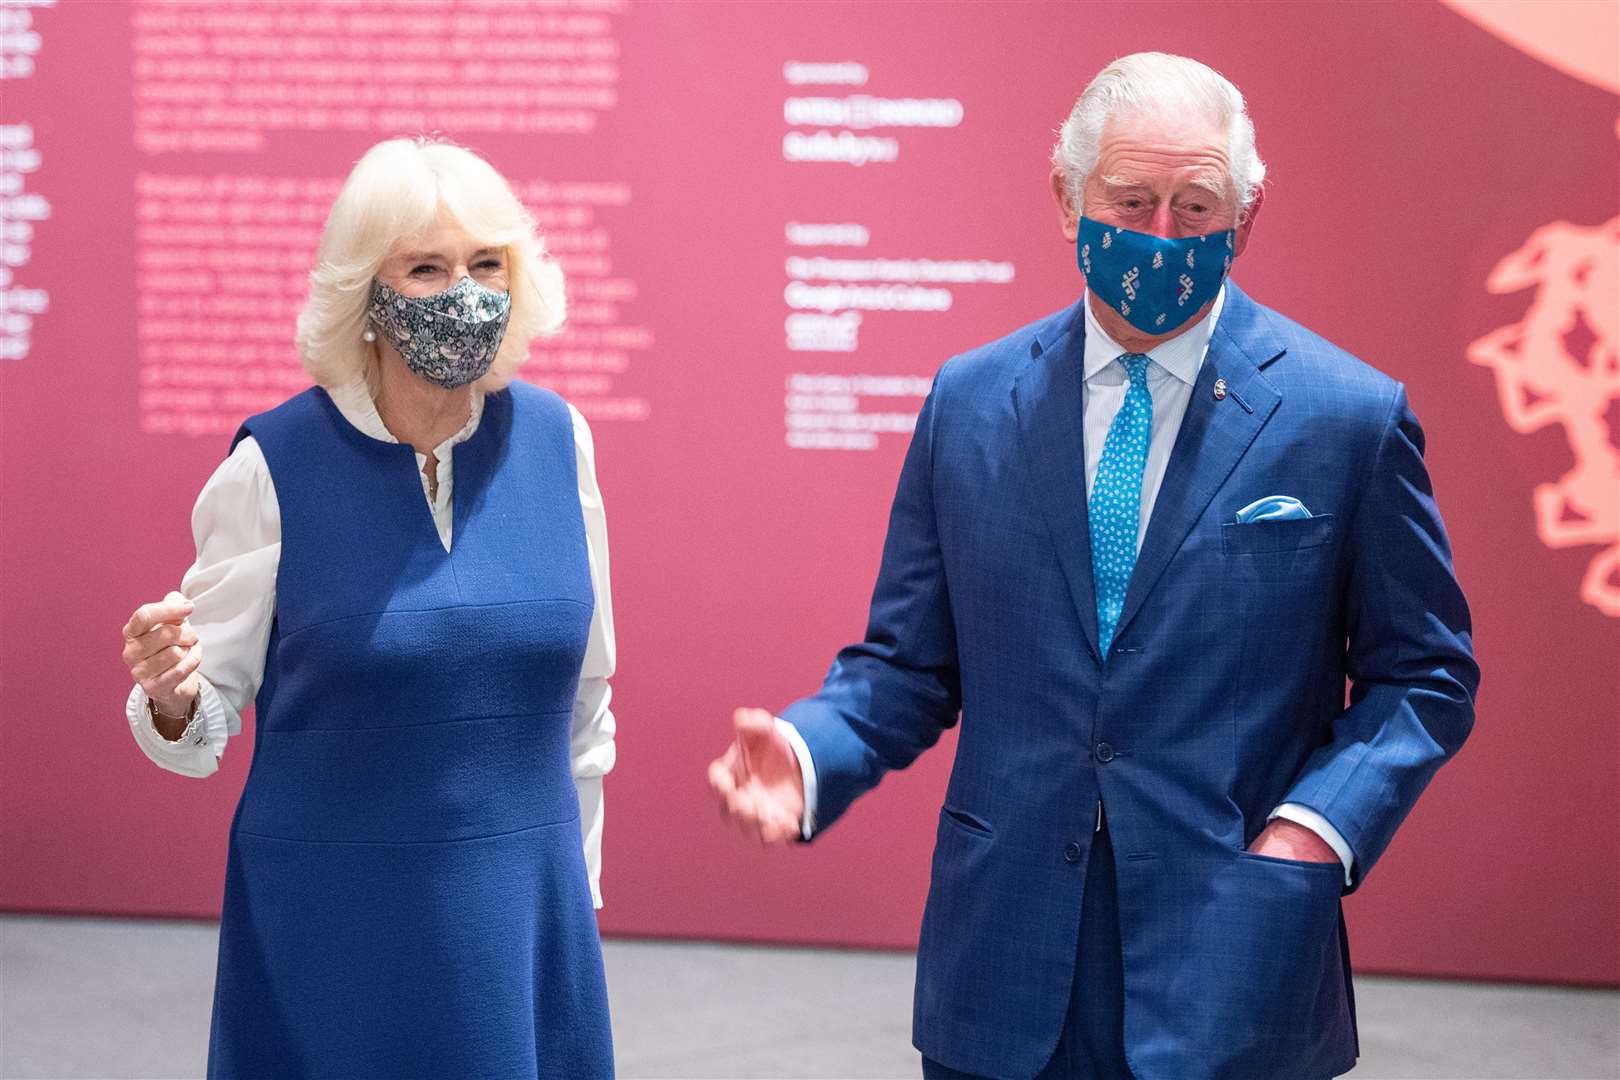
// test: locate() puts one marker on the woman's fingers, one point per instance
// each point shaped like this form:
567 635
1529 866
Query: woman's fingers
171 609
189 688
162 652
167 683
155 640
156 664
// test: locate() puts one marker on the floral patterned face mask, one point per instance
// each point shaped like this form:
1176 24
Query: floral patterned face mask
1156 283
449 338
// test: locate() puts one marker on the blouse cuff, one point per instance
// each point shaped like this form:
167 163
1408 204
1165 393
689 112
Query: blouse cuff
196 752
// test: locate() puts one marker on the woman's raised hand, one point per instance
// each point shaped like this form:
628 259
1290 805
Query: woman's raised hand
162 652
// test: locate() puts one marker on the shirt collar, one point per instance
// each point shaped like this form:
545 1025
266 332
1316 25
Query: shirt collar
1182 356
353 400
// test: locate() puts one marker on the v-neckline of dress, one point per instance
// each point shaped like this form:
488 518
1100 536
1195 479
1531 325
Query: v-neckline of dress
406 453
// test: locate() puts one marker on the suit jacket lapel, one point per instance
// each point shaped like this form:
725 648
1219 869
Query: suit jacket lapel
1047 399
1214 436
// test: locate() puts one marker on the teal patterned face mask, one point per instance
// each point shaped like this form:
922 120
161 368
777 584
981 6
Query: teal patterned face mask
1155 283
449 338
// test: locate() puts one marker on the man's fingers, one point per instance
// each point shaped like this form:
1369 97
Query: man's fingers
731 776
747 806
740 816
734 803
748 809
720 779
735 762
779 829
754 722
766 817
171 609
779 826
762 746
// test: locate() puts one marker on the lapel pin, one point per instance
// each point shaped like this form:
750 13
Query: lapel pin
1220 389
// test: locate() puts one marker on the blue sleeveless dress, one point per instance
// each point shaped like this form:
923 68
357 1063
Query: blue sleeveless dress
406 892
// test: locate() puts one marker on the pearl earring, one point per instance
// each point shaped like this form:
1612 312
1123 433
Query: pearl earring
369 335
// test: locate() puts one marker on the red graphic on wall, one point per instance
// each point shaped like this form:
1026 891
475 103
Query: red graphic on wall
1560 365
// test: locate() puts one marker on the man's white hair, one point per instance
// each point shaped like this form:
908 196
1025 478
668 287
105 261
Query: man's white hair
1154 85
396 192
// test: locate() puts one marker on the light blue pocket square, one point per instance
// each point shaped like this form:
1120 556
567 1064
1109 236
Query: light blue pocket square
1273 508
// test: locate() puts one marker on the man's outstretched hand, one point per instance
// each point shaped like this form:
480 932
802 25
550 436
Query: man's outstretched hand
758 781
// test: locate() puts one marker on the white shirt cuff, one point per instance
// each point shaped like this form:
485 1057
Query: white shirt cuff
1304 815
807 772
197 751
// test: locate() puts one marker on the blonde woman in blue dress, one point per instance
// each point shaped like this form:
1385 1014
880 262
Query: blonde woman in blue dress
406 567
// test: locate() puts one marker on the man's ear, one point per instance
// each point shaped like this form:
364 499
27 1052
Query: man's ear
1246 220
1068 213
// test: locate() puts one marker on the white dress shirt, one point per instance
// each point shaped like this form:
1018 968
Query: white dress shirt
1171 376
236 525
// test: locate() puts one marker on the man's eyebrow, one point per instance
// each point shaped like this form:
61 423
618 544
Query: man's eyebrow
1121 182
1217 186
1214 184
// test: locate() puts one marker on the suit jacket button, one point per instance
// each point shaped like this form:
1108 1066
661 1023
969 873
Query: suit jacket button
1105 753
1071 853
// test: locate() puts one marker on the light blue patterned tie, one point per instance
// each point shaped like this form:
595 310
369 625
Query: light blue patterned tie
1116 499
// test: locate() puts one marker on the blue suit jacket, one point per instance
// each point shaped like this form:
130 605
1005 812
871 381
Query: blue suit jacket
1223 696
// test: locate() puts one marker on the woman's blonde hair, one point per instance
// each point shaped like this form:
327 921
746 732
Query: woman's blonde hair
394 194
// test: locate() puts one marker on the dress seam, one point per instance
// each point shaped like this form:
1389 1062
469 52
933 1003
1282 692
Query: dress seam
411 843
431 610
413 727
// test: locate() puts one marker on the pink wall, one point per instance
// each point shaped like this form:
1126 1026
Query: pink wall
1410 153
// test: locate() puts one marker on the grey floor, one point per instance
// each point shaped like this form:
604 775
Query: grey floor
113 998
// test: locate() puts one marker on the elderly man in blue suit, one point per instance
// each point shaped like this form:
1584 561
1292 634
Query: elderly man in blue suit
1140 547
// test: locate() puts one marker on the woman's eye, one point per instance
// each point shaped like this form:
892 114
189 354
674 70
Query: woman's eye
488 264
424 269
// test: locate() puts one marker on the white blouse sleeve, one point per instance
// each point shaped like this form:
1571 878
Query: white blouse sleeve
236 525
592 744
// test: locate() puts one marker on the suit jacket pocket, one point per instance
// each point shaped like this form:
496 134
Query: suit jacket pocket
1261 970
1302 864
1260 537
967 821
